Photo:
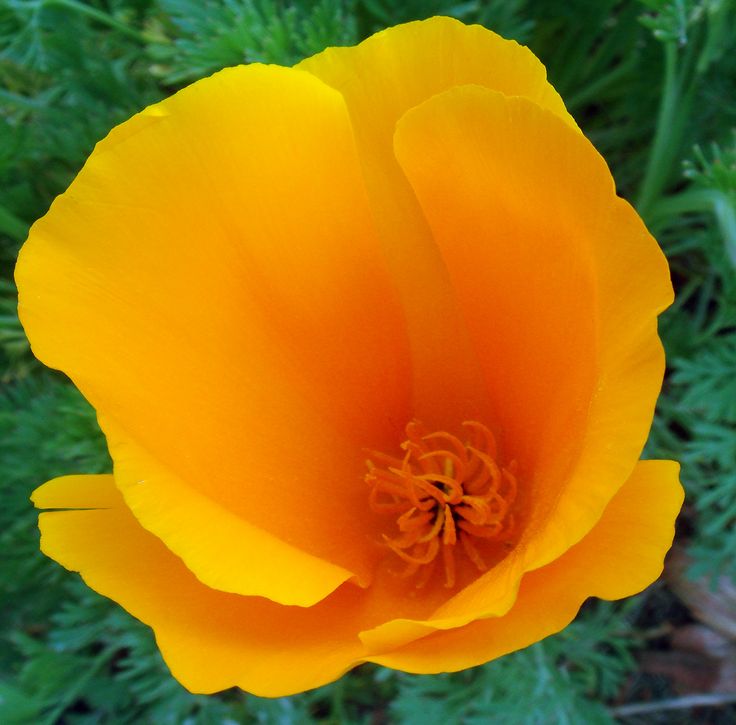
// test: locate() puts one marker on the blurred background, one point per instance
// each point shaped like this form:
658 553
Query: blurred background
652 83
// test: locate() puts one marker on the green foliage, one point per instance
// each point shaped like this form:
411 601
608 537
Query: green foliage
46 429
65 649
14 348
509 18
647 81
701 408
60 92
204 37
697 414
541 684
714 190
100 665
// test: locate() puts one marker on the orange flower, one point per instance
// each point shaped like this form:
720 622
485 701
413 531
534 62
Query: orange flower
374 345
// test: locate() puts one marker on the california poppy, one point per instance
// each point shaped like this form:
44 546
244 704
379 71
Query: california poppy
374 345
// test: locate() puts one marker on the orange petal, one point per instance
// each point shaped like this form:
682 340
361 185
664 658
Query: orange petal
560 285
619 557
491 595
380 80
212 283
210 640
273 650
264 647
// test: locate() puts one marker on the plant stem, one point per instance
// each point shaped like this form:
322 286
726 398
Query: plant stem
676 703
663 152
338 702
686 202
700 200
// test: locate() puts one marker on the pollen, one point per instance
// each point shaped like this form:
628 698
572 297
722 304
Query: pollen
450 501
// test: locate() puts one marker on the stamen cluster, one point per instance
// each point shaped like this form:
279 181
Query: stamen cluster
443 492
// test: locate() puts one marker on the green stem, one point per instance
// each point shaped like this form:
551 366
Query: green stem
339 716
713 201
663 152
100 17
687 202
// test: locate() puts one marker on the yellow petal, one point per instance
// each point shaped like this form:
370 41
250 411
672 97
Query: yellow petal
77 492
618 558
261 646
273 650
210 640
224 550
401 67
212 283
560 285
380 80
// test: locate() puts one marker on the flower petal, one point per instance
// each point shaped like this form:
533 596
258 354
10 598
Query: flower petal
274 650
77 492
560 284
380 80
250 642
401 67
619 557
214 265
249 560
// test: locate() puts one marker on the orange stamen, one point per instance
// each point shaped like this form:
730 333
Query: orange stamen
454 441
412 520
448 559
490 465
432 550
440 492
488 442
472 552
449 537
482 532
456 467
432 533
455 494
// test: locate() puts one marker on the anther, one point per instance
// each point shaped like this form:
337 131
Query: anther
443 491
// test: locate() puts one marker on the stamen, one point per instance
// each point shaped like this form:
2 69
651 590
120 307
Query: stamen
448 559
488 442
472 552
442 491
448 533
409 520
453 441
479 509
488 531
433 548
436 526
454 495
453 464
490 465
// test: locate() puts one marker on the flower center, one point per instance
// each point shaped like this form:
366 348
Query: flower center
450 499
